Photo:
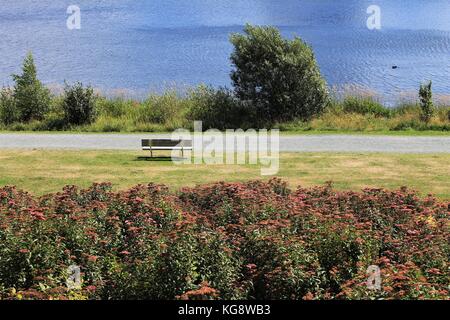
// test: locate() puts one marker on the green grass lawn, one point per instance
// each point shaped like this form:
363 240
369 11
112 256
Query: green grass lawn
44 171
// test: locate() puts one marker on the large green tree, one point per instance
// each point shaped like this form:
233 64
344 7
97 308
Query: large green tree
278 77
31 97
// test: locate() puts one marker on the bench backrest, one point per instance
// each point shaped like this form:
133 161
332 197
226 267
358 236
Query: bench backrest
166 143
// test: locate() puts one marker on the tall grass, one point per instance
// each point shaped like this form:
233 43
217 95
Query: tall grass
164 112
367 114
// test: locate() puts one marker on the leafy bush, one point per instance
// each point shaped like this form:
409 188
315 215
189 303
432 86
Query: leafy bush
253 240
8 109
279 77
32 98
426 102
217 109
79 104
167 108
365 106
114 108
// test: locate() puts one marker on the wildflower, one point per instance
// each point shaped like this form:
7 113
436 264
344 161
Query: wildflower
134 229
138 200
205 292
38 215
388 289
92 258
434 271
308 296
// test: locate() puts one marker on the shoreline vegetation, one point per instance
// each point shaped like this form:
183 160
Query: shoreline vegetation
353 114
282 90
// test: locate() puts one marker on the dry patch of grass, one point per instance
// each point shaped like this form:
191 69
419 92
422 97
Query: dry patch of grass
45 171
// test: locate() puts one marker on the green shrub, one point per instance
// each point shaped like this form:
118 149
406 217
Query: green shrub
8 108
279 77
162 109
52 122
32 98
115 108
79 104
280 269
177 268
365 106
340 249
219 267
426 102
218 109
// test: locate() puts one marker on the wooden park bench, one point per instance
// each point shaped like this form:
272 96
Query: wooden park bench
166 144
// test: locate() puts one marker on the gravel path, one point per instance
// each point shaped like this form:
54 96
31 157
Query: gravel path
291 143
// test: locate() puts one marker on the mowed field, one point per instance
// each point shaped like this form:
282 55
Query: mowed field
47 171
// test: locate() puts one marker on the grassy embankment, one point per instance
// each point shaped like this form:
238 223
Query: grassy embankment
41 172
169 111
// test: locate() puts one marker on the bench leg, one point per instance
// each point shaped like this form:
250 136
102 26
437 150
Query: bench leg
151 153
182 152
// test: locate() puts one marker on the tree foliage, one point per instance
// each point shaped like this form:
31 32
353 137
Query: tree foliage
8 109
31 97
426 101
279 77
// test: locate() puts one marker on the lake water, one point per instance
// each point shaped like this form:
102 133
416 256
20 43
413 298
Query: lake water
142 45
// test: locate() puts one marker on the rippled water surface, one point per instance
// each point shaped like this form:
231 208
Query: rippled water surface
142 44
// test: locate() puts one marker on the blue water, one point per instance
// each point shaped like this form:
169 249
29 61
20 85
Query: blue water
143 45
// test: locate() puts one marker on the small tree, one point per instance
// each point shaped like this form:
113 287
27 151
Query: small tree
280 78
32 98
8 108
79 104
426 102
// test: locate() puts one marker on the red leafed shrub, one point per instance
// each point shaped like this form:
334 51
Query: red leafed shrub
254 240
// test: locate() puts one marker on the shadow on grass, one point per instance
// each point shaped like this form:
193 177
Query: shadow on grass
158 159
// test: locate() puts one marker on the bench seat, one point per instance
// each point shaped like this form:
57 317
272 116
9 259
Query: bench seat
166 144
166 148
